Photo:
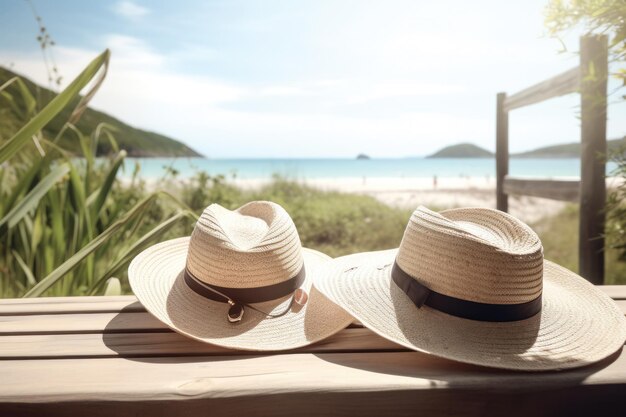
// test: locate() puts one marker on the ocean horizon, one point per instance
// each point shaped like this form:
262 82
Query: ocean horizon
318 168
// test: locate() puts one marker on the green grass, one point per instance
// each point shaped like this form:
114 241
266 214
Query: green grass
334 223
559 236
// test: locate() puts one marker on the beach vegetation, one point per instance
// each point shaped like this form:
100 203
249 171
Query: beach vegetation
616 208
606 17
594 16
332 222
559 236
67 225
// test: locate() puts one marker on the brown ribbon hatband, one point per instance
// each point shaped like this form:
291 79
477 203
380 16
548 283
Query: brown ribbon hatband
245 295
421 295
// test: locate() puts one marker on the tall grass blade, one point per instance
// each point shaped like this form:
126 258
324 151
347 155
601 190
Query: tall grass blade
84 101
106 129
96 201
26 179
13 145
113 287
131 252
29 274
94 244
29 101
31 199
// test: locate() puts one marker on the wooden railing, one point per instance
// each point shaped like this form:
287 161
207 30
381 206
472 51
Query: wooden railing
590 80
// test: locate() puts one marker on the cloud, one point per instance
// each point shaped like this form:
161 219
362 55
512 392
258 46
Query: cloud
364 93
132 52
283 91
351 92
139 89
129 9
224 118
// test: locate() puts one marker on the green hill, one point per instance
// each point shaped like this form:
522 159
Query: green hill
136 142
566 150
462 150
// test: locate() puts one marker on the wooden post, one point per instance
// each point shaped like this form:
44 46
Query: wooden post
502 152
593 97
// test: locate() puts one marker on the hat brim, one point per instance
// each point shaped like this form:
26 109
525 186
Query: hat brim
578 324
156 278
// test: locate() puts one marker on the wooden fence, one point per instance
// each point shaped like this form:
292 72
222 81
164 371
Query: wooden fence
590 80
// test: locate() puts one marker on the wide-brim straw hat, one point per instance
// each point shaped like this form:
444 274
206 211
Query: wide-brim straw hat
251 255
487 295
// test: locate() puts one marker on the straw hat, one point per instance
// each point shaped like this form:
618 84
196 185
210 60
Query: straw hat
242 280
471 285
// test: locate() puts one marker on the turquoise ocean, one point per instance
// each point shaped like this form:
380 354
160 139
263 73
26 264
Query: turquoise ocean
154 168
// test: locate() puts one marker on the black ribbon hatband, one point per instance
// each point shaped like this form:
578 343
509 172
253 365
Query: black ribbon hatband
245 295
421 295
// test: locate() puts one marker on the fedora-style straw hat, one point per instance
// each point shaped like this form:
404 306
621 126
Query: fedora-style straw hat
471 285
242 281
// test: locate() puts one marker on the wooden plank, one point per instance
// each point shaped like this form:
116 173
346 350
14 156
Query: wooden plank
593 97
123 336
50 305
135 322
91 345
565 83
67 300
502 152
126 322
398 383
554 189
286 384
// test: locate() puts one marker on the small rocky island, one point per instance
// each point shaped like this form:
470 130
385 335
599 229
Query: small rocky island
362 156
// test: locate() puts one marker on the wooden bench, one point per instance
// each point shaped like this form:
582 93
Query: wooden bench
95 356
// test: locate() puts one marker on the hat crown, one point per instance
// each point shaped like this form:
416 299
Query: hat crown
474 254
253 246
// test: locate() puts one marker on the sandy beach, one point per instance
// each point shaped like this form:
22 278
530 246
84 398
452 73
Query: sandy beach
408 193
446 193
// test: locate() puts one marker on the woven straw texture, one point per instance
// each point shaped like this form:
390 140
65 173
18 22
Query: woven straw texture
254 246
478 255
481 259
257 245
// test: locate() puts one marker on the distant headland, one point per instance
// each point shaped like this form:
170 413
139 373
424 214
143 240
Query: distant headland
137 142
566 150
462 150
